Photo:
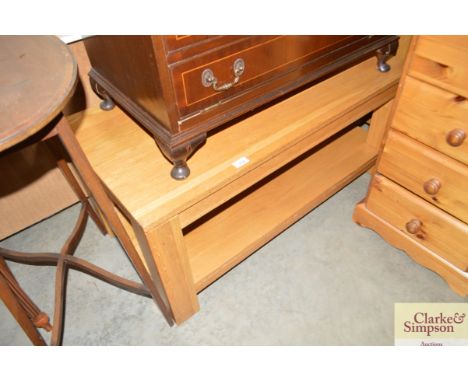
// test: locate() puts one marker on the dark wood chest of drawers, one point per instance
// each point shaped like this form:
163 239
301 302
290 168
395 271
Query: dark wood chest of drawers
180 87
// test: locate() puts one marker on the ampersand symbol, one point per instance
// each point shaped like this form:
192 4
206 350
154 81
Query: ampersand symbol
459 318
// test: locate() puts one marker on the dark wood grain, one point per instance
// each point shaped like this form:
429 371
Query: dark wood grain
17 310
178 48
37 77
129 63
157 79
266 58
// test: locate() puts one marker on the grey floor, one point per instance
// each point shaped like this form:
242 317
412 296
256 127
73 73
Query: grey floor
324 281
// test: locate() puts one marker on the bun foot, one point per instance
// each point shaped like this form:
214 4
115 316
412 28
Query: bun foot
178 155
180 171
384 54
107 104
383 67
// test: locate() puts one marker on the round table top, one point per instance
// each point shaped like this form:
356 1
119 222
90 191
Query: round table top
37 77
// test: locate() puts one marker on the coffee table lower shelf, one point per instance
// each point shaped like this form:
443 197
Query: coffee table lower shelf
226 236
235 231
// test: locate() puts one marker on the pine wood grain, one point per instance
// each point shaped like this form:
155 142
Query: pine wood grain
440 232
455 278
441 61
257 217
411 164
314 138
429 104
116 148
165 247
428 114
158 207
380 118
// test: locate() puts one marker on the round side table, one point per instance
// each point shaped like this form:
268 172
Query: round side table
37 78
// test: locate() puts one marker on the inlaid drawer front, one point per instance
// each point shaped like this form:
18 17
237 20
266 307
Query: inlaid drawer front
180 41
442 61
435 177
231 71
181 47
428 225
435 117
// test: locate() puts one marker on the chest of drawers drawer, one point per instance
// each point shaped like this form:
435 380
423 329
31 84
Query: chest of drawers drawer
235 72
433 176
428 225
434 117
180 47
179 42
442 61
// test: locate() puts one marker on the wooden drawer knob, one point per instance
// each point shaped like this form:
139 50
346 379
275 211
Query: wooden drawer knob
432 186
456 137
414 226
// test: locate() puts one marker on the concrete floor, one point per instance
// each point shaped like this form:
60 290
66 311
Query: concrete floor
324 281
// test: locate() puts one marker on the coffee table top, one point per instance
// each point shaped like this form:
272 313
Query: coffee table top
130 165
37 77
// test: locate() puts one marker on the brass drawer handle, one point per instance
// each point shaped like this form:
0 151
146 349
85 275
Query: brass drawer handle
432 186
456 137
414 226
209 79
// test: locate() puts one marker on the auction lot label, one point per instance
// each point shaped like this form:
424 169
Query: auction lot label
431 324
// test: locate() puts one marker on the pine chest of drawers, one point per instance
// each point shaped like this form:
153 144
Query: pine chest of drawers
418 199
180 87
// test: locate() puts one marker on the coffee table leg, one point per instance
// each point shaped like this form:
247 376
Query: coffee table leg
378 125
166 256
